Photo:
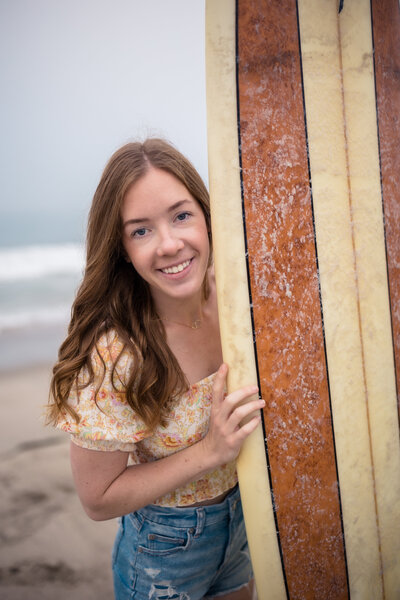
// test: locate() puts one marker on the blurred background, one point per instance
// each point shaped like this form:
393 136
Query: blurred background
78 79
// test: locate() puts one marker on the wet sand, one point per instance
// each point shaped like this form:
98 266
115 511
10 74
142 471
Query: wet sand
49 548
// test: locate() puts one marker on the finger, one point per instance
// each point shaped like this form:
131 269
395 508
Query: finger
249 427
238 397
245 412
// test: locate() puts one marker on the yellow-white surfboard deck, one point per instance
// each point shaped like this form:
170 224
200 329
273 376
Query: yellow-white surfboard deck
304 132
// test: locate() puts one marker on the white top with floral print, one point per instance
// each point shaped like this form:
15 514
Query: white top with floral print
113 425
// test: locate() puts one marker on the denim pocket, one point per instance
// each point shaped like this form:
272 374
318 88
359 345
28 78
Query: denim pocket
161 540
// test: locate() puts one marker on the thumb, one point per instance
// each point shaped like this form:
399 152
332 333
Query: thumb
219 384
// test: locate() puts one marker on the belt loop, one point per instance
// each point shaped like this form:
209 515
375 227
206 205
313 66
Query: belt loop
201 517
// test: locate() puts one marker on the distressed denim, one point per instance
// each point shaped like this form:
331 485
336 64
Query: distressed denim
165 553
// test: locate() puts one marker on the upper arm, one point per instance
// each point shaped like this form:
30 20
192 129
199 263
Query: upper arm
93 472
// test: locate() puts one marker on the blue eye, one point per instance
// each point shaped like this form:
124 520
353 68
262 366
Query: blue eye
183 216
139 232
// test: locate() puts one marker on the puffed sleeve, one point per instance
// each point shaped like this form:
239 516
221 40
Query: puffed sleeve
106 421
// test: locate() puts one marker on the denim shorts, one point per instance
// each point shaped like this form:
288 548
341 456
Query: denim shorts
181 553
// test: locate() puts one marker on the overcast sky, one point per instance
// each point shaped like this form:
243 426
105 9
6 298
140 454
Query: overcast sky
78 79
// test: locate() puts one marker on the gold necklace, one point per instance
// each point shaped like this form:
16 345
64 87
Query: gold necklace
196 324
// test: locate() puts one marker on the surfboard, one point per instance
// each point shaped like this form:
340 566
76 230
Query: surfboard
303 111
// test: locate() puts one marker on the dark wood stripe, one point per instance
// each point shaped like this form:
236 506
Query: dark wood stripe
250 293
386 39
286 303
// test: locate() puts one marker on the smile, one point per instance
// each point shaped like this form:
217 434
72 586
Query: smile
176 268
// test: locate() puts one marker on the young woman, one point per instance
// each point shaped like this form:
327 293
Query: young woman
140 383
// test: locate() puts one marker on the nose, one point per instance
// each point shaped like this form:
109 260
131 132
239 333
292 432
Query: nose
168 243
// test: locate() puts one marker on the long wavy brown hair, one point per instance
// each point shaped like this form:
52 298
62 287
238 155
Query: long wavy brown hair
113 296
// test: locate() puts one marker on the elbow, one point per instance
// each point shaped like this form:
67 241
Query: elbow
97 511
96 515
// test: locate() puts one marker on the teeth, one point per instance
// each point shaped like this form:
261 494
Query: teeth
176 269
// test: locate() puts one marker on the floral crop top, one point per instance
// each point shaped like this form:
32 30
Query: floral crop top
113 425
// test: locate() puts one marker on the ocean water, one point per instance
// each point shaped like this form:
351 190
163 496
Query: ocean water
37 287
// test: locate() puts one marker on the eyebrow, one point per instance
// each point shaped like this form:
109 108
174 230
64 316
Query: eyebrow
145 219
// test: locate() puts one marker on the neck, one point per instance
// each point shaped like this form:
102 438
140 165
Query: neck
188 311
182 313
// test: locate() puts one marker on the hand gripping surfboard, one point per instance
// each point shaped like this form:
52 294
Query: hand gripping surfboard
303 102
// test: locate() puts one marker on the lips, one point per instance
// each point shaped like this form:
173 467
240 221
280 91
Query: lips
176 268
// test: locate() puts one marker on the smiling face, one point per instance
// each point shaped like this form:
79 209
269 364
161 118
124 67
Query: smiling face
164 234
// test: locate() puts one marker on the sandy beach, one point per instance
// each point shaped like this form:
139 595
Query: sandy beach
49 547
